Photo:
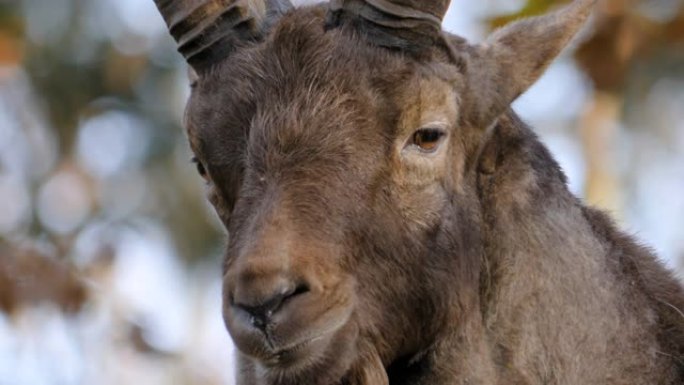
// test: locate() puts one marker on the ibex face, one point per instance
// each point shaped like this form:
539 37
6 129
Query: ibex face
340 144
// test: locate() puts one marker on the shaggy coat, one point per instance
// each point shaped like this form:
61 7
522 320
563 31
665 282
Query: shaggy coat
392 221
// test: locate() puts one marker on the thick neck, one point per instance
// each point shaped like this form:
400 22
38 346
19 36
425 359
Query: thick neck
533 226
557 276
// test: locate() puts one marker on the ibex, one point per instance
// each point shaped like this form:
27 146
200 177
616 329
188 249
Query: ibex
391 220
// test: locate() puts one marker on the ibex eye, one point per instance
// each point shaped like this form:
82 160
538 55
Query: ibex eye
200 168
428 139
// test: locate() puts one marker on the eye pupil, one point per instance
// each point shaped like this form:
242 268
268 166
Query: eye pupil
427 139
200 167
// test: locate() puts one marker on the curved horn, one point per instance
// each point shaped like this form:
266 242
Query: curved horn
208 30
404 24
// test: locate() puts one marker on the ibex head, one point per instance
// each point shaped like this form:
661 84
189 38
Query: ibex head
340 145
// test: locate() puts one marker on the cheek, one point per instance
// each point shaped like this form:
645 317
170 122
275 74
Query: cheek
419 192
421 207
222 209
422 185
420 172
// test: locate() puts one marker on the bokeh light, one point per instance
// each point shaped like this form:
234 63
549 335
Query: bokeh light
110 257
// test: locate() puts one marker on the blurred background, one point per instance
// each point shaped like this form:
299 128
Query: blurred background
109 255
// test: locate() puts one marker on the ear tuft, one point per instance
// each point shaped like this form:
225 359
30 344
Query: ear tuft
514 57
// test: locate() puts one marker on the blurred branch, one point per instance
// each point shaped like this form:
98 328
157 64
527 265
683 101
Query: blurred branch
27 277
11 32
627 46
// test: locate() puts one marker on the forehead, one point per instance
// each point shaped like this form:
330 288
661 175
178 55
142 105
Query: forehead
302 86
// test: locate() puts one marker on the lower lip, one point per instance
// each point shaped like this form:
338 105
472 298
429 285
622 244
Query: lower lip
290 355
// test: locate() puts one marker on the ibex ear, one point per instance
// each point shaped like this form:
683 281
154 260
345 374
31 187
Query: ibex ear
514 57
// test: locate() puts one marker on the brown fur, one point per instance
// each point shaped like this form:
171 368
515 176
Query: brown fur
473 265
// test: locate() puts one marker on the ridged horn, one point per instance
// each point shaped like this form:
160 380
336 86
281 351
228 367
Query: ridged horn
207 31
403 24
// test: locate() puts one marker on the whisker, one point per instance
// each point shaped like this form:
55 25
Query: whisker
676 309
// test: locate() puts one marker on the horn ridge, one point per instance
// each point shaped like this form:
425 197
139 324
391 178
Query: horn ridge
404 11
379 10
196 19
390 23
207 31
233 26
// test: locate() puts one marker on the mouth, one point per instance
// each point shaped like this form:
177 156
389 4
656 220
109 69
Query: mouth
309 336
290 355
299 355
321 350
303 349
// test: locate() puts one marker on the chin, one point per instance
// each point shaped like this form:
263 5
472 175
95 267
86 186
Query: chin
311 338
321 360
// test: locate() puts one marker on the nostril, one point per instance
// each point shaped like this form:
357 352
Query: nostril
261 314
301 289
